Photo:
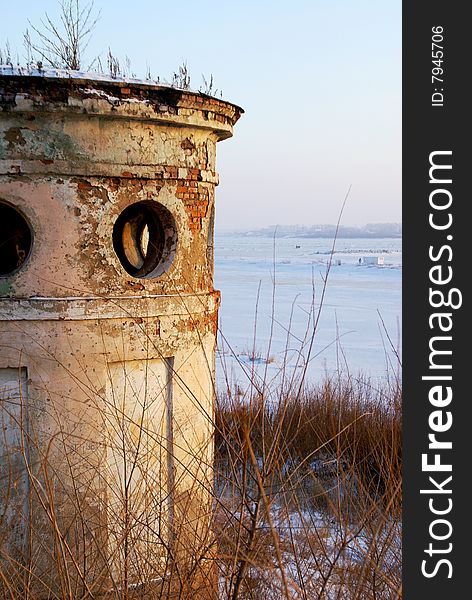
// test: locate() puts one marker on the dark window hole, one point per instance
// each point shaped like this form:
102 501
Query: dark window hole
15 239
145 239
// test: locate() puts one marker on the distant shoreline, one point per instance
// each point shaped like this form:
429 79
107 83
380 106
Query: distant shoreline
340 236
369 231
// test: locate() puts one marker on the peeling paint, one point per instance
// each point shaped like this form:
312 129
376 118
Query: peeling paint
85 162
14 137
6 288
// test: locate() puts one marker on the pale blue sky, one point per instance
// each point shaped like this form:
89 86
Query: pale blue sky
320 82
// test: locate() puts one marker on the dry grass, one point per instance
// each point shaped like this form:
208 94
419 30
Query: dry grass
308 479
305 491
306 504
310 493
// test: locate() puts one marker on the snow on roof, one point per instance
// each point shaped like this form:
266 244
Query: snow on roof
51 73
112 99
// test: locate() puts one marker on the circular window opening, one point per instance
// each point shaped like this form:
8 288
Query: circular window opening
15 239
145 239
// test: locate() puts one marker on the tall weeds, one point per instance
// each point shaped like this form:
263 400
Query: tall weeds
308 479
300 498
309 502
306 502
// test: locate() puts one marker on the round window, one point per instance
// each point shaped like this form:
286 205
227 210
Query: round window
15 239
145 238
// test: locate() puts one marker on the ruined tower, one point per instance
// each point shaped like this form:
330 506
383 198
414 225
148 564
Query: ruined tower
108 322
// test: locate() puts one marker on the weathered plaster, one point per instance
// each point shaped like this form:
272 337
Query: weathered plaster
73 155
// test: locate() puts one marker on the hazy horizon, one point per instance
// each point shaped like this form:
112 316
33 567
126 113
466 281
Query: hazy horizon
311 225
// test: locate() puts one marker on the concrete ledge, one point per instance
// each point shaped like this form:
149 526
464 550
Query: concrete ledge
105 169
97 307
93 95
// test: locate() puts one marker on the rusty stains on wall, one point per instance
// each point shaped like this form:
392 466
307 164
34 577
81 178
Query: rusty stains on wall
112 308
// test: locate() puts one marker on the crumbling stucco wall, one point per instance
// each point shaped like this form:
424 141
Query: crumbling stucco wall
111 451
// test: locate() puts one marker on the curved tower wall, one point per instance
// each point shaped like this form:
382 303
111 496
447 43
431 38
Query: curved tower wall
108 321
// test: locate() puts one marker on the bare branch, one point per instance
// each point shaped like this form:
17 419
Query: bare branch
62 44
113 64
181 79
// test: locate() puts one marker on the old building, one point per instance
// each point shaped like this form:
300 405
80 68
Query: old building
108 320
378 261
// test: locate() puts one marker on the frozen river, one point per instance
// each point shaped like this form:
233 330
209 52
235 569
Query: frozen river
358 328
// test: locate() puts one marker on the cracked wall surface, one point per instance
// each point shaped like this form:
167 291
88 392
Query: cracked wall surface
102 355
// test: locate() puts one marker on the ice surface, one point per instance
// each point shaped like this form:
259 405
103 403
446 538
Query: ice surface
358 329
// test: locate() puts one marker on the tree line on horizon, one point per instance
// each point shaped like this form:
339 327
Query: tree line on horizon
373 230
